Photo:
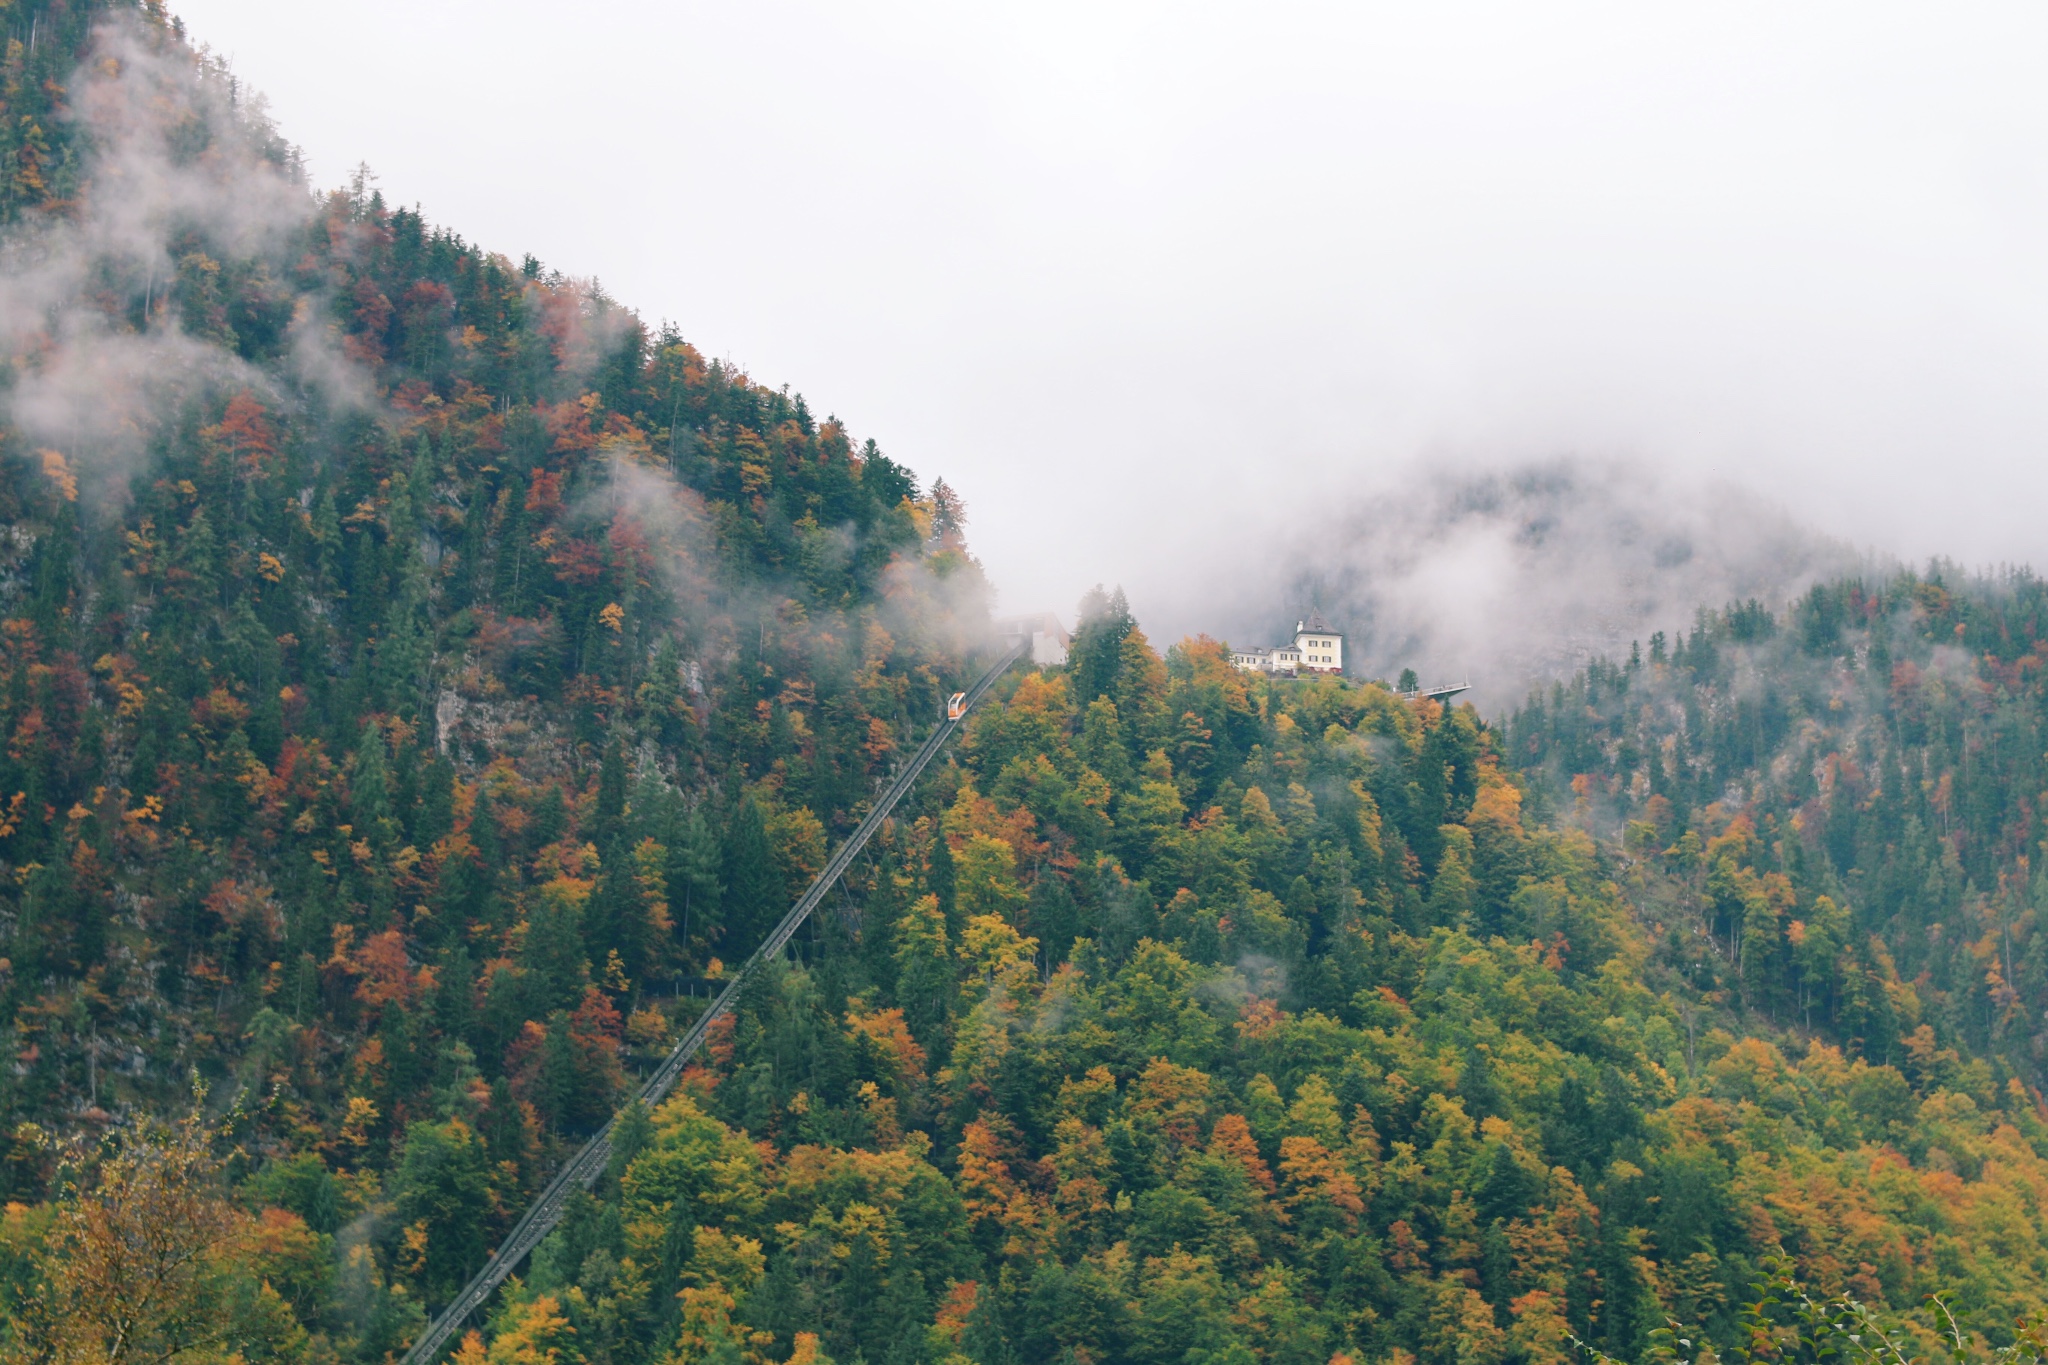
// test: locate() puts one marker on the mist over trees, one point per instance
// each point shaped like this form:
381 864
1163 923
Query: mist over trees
431 679
1506 576
1834 807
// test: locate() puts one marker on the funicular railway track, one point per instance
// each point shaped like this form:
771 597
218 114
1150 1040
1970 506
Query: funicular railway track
583 1169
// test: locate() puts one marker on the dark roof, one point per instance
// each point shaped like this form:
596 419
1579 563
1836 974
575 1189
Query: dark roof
1316 622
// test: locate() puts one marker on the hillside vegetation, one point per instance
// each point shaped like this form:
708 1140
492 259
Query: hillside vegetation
1218 1013
1836 811
419 679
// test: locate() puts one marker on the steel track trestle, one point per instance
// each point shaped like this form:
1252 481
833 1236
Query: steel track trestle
583 1169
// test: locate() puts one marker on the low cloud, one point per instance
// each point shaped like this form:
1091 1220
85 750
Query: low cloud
1508 577
184 178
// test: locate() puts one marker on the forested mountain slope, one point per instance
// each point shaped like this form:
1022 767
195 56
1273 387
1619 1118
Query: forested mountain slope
1837 810
418 678
1252 1019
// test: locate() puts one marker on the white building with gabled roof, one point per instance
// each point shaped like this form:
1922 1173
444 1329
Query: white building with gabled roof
1318 648
1049 639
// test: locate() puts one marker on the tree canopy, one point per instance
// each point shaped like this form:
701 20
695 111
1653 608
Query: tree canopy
416 708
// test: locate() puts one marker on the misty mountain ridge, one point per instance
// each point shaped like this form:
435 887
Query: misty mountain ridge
1518 575
419 679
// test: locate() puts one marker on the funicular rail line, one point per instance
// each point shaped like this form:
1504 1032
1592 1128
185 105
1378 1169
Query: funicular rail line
583 1169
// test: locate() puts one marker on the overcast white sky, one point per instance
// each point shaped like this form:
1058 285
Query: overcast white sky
1142 279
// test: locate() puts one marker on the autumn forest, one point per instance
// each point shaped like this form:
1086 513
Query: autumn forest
422 682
